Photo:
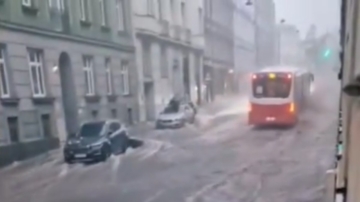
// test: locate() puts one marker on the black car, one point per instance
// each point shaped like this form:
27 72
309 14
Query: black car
96 140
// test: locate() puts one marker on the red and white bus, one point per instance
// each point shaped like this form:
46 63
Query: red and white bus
278 95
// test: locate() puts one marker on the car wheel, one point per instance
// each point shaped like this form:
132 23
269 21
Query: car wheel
192 119
183 123
68 160
125 145
157 126
106 153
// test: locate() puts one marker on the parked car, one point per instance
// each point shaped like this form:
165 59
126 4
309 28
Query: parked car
176 117
96 140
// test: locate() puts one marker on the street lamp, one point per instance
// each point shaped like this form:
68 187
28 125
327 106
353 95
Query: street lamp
282 21
250 3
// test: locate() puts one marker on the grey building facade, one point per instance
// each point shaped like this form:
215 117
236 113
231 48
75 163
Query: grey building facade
244 47
266 33
219 46
62 62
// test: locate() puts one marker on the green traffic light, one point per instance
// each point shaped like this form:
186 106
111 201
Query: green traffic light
327 53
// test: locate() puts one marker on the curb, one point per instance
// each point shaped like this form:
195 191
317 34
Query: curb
52 155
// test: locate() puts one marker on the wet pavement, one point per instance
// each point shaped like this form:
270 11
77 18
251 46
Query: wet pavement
223 159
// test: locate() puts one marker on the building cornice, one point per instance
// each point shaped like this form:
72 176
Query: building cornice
53 34
161 39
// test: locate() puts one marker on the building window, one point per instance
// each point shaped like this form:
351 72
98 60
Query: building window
124 78
114 113
109 86
5 92
85 10
173 11
103 12
150 7
183 14
13 126
164 62
36 73
46 125
120 14
94 114
201 20
28 3
160 4
89 75
57 4
208 8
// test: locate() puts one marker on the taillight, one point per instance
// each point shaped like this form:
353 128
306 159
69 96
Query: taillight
254 76
249 107
292 107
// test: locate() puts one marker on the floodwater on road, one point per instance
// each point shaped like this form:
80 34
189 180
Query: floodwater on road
225 161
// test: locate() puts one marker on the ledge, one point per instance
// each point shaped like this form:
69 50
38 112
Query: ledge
92 98
43 100
85 23
105 28
126 94
11 101
32 10
112 98
54 34
122 33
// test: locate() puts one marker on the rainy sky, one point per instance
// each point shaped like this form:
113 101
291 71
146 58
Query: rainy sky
325 14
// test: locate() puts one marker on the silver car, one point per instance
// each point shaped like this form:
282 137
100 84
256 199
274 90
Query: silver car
170 118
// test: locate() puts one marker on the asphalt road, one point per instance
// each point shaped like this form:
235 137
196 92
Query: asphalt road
223 160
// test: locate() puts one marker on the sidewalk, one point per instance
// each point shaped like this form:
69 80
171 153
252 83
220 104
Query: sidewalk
228 105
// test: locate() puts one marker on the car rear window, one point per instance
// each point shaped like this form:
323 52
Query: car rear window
92 129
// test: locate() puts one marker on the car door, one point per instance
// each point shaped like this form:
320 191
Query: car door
119 136
114 135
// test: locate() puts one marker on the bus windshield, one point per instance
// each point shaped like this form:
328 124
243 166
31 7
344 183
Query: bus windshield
276 87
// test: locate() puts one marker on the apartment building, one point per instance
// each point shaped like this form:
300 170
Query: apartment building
219 46
169 50
62 62
244 43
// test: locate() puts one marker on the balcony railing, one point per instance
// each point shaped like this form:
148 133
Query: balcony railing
165 28
145 23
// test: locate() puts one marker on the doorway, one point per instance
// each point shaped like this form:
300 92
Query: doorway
186 77
68 91
149 101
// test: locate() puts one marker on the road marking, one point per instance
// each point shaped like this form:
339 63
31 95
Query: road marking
155 196
64 171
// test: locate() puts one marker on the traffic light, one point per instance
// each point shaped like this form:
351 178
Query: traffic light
326 53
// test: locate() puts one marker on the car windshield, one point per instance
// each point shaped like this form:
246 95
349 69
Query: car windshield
92 129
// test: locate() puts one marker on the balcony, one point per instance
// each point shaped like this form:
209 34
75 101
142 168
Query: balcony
165 28
177 32
187 36
198 41
146 23
60 20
